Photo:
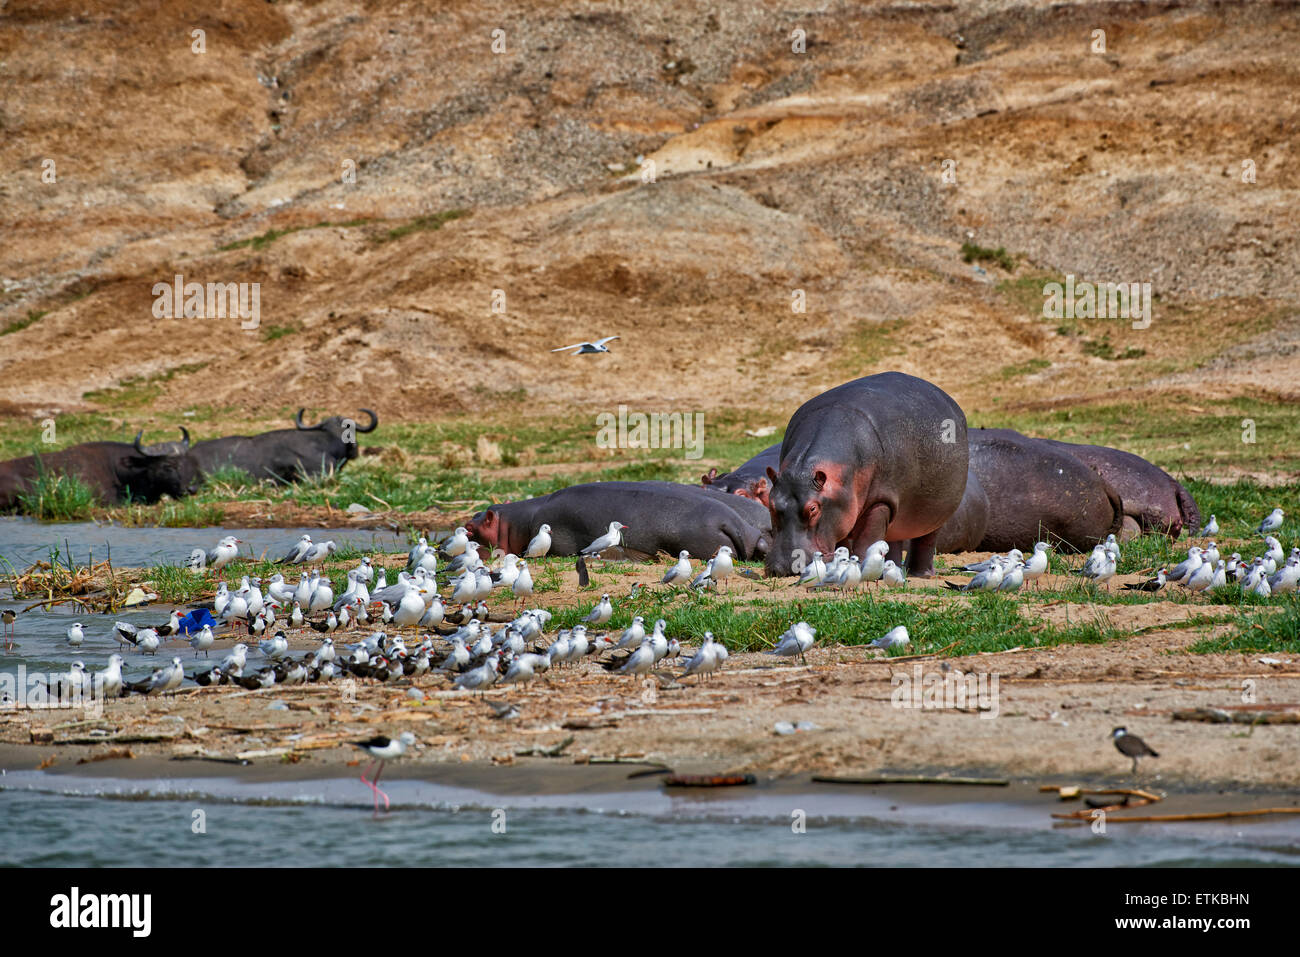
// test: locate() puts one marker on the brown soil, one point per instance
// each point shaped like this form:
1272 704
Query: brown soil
775 171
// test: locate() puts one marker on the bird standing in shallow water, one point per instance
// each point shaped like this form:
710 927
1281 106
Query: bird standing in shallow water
383 749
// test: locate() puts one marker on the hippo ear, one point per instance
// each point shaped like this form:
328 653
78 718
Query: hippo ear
771 475
819 480
489 521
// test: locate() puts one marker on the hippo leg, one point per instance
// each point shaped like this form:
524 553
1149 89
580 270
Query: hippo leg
871 529
920 556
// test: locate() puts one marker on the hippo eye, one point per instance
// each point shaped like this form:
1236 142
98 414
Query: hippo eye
810 511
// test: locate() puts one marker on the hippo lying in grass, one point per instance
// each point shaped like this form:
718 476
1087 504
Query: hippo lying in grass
1154 501
1039 491
660 517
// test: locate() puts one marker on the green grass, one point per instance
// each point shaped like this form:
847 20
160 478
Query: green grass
139 390
271 333
1272 629
971 252
869 342
1178 439
57 498
271 235
1102 349
32 317
428 223
1023 369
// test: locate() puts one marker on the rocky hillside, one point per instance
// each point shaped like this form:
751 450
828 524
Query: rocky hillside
388 177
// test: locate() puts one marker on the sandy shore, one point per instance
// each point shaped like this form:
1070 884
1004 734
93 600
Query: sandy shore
1048 719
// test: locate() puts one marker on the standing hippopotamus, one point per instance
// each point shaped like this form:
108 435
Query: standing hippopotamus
1038 490
748 480
660 516
882 457
1154 501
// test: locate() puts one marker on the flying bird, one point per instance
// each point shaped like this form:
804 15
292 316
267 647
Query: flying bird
584 348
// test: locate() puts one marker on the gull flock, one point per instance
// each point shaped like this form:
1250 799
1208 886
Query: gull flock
463 642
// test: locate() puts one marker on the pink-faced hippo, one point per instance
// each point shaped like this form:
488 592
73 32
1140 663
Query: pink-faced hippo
882 457
748 480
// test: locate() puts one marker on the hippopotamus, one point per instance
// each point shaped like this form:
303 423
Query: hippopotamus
964 531
881 457
660 516
1037 490
748 480
1154 501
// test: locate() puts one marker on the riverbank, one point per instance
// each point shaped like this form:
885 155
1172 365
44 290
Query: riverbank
1033 713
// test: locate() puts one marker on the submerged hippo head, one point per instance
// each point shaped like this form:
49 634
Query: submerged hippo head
813 509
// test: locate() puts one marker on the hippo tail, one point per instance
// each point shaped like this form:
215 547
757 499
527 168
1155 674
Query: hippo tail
1188 509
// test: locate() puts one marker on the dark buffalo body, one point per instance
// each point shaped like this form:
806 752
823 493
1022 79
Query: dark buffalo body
114 471
286 455
661 517
1040 491
882 457
1154 501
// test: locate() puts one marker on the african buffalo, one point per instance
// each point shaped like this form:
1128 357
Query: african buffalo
114 471
286 455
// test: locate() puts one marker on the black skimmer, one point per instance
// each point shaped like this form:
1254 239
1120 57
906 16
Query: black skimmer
1131 746
330 624
383 749
172 627
1153 584
205 678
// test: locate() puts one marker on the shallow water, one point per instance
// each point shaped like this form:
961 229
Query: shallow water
23 541
40 636
53 820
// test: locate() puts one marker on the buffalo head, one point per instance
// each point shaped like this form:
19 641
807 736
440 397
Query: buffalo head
341 428
149 475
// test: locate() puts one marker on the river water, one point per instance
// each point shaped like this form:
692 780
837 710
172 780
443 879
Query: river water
23 541
62 819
